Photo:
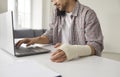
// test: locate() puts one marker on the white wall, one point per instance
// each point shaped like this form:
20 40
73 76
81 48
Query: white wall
3 6
46 13
108 12
37 14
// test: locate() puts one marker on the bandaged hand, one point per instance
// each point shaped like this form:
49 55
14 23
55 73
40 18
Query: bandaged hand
75 51
69 52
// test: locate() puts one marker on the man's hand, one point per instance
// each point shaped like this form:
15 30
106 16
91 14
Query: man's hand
59 55
27 41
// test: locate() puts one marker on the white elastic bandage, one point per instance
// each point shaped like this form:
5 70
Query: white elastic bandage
75 51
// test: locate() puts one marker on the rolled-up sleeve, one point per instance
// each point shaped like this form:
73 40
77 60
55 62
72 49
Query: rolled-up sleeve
93 32
49 32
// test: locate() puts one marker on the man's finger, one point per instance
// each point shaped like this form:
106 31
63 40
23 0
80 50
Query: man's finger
60 60
30 43
57 55
54 53
57 45
19 43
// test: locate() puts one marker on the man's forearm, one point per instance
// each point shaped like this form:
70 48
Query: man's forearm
42 40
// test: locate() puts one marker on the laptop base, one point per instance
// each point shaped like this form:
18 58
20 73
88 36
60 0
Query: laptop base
20 52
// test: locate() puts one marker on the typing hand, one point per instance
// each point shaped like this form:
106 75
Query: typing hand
27 41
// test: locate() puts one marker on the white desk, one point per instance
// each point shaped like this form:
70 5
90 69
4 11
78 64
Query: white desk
84 67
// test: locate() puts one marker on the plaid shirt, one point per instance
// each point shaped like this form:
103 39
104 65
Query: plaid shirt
85 28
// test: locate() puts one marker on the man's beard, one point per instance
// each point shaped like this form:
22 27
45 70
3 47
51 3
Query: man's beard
60 12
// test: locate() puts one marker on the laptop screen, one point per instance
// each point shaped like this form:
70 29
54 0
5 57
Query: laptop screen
6 32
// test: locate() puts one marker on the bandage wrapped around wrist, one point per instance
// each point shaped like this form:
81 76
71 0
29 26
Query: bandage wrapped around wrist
75 51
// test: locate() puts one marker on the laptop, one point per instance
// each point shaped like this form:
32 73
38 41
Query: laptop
7 41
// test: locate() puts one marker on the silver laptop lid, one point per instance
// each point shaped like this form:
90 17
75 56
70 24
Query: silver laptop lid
6 32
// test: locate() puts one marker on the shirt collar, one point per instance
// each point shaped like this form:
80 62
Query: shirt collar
76 9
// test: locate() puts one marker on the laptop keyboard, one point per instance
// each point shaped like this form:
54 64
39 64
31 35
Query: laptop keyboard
30 50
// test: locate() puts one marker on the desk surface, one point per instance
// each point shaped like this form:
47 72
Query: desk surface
92 66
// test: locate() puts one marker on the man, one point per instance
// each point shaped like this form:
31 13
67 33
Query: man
75 31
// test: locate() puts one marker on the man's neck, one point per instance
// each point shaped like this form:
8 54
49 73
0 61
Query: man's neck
70 6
